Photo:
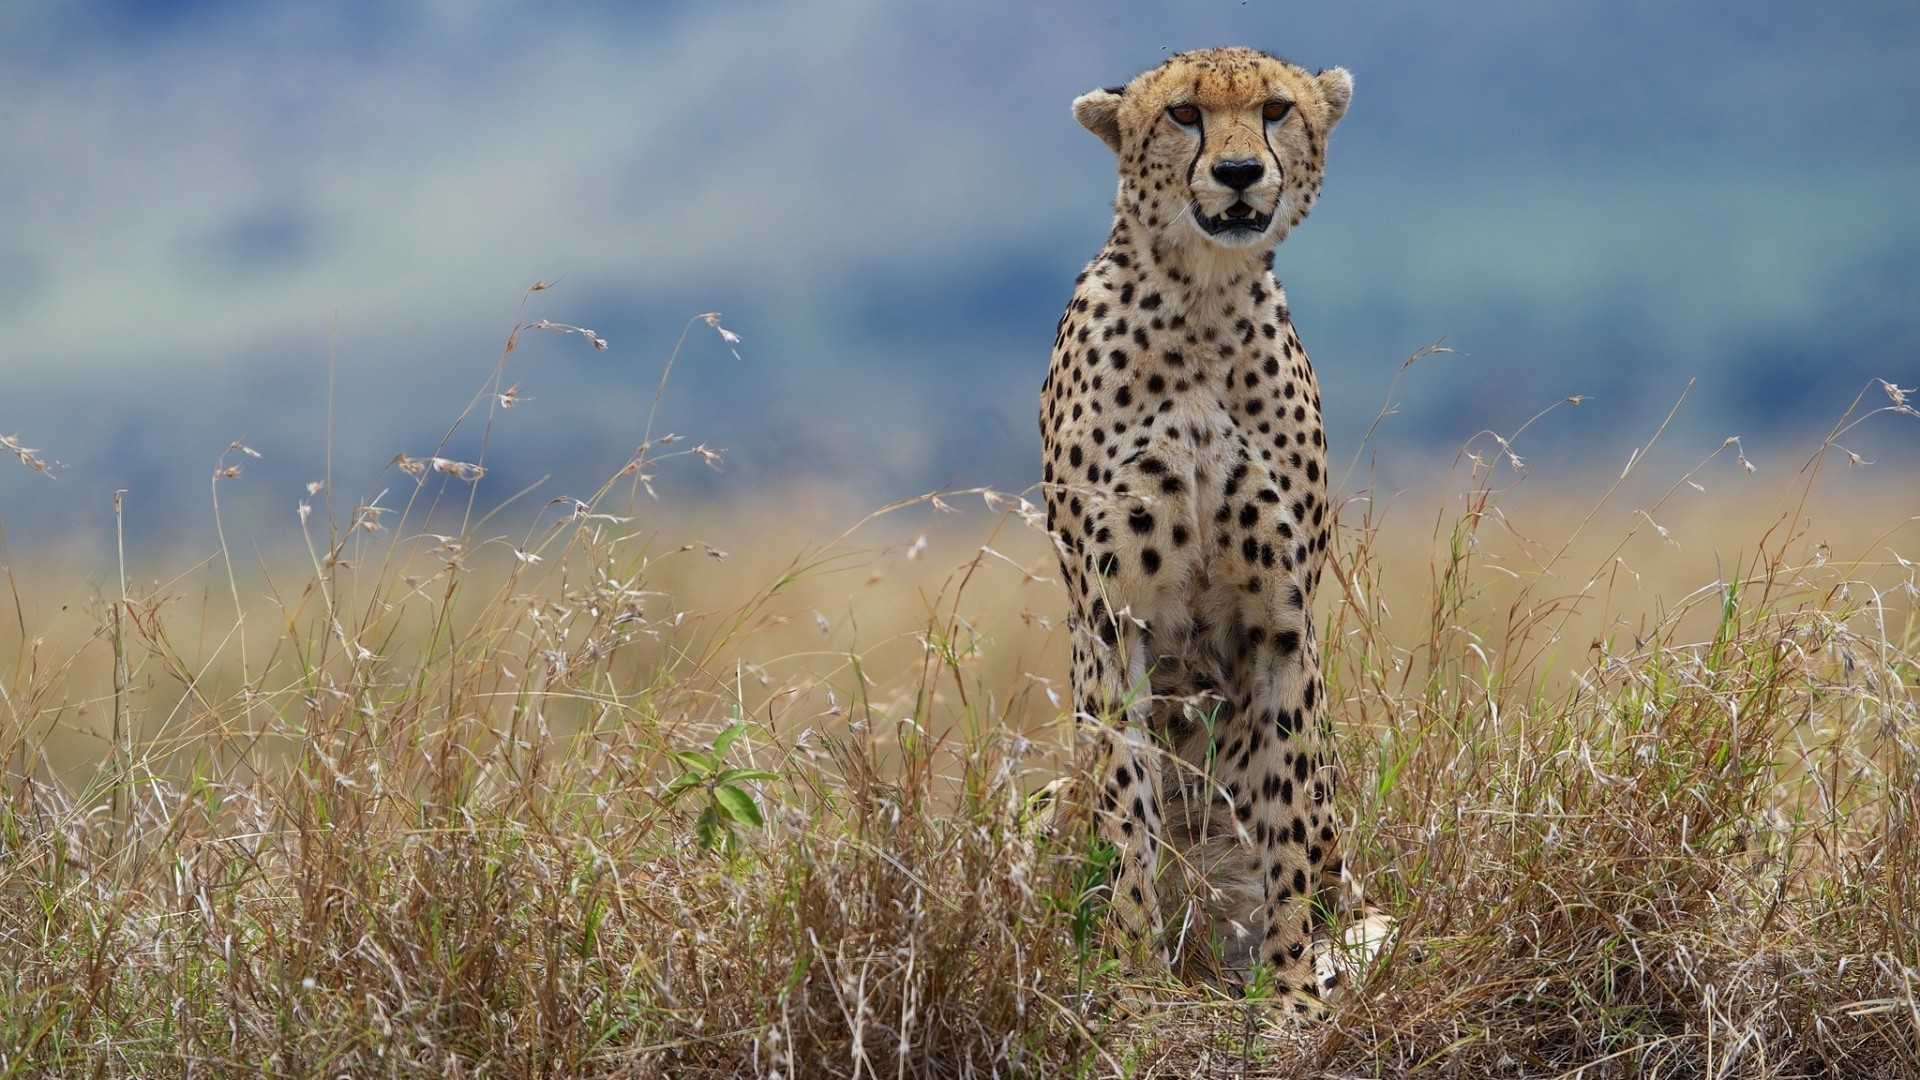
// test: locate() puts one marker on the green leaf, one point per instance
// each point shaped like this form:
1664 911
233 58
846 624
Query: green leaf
697 759
680 784
738 804
730 775
726 738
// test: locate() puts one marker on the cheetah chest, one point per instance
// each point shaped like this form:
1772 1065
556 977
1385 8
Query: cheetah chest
1204 449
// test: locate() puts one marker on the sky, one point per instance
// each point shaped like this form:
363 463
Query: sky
310 227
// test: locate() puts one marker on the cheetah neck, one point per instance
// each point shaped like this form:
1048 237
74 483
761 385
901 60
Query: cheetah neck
1209 280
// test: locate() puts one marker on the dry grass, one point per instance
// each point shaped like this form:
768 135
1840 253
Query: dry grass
602 799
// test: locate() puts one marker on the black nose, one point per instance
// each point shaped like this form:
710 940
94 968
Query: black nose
1238 175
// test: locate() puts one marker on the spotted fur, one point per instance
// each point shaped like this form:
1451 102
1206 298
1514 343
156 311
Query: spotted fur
1185 469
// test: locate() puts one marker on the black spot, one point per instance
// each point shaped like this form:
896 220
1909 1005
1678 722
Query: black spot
1140 521
1150 560
1109 632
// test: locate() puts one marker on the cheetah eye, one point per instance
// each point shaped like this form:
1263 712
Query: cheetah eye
1276 110
1184 115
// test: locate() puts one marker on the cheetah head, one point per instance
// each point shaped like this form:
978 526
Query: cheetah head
1220 149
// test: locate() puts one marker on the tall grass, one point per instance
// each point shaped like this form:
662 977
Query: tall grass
631 793
1633 842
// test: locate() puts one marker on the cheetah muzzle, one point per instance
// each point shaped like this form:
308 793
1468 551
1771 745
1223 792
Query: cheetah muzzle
1185 480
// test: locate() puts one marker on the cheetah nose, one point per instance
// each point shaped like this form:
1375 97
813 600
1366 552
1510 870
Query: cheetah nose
1238 175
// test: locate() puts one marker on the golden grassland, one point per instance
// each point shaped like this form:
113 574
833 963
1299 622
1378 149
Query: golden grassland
745 790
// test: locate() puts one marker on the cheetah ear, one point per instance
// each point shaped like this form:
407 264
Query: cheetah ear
1099 112
1336 86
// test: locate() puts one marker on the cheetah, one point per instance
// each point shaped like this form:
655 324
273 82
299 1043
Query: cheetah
1185 480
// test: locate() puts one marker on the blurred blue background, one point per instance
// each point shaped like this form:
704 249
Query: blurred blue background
202 202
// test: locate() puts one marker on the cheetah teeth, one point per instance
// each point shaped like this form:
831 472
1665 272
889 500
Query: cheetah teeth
1238 218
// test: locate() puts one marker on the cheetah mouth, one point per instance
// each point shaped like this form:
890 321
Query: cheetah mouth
1238 220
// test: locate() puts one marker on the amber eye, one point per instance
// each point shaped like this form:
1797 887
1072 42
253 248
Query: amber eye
1276 110
1185 115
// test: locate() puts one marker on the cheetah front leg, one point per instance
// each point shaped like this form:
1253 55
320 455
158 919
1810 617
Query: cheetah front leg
1270 763
1112 704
